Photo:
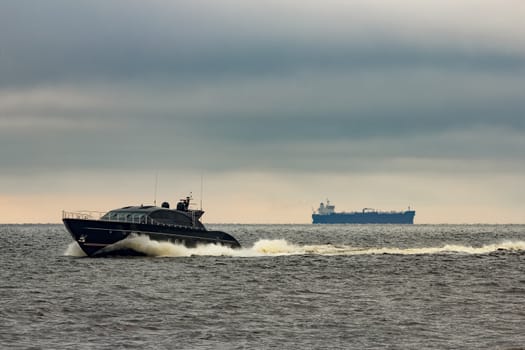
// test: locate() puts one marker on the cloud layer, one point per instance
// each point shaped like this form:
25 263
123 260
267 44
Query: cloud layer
332 87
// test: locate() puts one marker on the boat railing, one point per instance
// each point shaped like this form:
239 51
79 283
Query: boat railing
83 214
373 211
134 218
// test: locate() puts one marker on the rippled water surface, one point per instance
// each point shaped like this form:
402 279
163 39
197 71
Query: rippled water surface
289 287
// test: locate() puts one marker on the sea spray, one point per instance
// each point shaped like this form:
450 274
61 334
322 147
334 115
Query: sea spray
275 247
278 247
146 246
73 249
450 249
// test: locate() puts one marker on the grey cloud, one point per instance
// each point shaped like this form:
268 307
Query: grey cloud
170 84
237 60
59 41
261 124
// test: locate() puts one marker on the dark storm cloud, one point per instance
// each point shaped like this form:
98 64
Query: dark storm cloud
125 62
129 84
56 41
316 126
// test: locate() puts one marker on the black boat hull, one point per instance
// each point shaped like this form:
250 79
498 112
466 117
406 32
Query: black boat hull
94 236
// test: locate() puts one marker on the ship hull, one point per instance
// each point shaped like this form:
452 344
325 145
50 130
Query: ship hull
406 217
95 237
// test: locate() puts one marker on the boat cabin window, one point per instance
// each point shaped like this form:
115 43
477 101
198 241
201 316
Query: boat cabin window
173 218
125 216
164 216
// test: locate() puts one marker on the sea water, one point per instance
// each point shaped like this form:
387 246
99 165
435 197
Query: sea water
289 287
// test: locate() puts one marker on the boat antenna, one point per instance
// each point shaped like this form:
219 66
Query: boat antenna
155 190
202 191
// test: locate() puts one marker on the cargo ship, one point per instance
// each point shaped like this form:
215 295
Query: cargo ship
326 214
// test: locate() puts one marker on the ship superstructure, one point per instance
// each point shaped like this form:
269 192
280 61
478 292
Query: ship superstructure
326 214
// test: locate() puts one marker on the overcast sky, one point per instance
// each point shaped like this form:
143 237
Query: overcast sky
276 105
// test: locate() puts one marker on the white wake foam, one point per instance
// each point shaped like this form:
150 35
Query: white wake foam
73 249
277 247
